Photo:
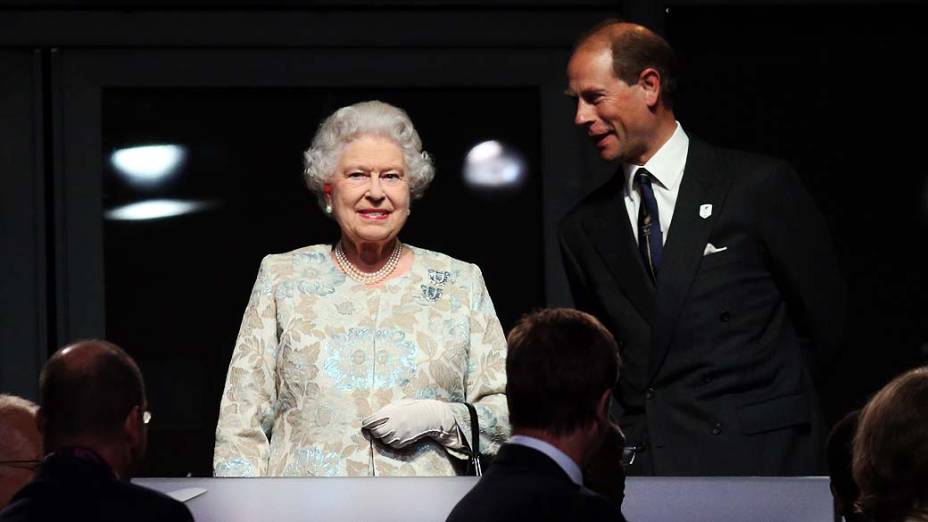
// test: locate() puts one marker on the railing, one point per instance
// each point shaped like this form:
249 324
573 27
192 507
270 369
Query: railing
665 499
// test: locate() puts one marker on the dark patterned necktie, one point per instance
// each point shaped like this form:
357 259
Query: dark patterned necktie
650 237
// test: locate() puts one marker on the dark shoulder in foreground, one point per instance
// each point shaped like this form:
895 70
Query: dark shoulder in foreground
598 507
162 507
117 501
532 494
586 507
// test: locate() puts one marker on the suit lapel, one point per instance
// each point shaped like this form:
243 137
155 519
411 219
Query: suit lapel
610 233
703 183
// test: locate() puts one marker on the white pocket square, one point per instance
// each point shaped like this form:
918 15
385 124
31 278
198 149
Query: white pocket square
710 249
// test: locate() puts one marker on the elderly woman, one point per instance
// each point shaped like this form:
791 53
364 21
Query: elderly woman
357 358
891 451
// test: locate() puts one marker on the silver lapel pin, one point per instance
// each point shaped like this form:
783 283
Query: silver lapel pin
705 210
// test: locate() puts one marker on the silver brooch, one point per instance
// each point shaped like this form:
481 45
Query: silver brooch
430 293
439 277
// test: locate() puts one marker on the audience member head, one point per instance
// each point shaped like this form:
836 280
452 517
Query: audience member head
20 445
92 396
891 451
838 453
560 368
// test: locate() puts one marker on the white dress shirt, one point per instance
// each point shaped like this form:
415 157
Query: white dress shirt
666 168
566 463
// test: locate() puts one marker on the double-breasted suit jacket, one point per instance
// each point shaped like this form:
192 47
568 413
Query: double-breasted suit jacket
718 354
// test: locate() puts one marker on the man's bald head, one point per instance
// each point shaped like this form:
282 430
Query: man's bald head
86 390
634 48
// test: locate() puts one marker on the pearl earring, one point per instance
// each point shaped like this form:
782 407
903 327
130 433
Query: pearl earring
328 208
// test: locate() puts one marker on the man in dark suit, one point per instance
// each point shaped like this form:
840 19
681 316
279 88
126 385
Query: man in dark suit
92 415
560 370
712 266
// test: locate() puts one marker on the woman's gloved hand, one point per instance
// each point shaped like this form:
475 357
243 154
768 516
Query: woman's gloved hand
405 421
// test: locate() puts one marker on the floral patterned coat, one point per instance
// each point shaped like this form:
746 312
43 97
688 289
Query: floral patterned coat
317 352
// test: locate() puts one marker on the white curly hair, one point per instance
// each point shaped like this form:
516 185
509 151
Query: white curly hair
368 118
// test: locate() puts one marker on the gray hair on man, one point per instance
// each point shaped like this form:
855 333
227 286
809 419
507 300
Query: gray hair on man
20 444
368 118
13 441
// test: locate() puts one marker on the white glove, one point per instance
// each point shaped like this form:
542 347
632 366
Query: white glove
405 421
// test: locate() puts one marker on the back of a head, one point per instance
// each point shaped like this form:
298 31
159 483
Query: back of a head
634 49
891 450
559 363
838 454
86 391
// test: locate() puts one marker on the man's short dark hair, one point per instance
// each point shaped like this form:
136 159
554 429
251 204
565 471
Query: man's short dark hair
634 49
89 399
559 363
891 450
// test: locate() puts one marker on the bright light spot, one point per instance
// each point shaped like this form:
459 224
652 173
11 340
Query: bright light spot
484 151
156 209
148 164
494 165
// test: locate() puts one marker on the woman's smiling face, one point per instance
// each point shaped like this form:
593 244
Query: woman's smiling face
369 191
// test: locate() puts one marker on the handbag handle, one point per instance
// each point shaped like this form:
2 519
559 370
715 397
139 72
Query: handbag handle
475 439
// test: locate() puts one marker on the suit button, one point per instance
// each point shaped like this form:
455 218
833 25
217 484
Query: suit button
717 429
706 379
724 317
649 394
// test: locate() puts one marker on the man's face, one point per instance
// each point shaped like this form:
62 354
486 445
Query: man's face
613 113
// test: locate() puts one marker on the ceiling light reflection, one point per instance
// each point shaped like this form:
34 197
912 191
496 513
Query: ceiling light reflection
156 209
494 165
148 164
484 151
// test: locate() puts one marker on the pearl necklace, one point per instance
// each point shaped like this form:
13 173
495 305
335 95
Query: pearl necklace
368 278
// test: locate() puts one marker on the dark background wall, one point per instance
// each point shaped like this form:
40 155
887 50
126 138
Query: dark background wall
832 87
